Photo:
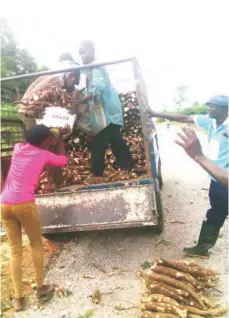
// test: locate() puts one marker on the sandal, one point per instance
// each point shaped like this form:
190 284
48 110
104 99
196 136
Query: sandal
45 292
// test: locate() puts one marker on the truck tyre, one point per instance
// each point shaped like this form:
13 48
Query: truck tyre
159 175
160 179
157 229
160 212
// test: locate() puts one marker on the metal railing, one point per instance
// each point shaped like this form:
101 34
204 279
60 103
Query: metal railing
83 67
12 131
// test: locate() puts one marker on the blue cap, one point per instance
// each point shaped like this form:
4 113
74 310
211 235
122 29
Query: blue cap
218 100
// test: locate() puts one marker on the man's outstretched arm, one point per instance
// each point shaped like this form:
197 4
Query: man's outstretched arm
191 144
173 117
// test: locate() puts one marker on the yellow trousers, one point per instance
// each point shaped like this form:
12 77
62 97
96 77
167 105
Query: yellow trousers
14 218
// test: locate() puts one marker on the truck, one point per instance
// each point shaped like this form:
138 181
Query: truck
123 204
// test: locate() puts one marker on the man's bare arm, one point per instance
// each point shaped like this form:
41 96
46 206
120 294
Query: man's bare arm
218 173
173 117
191 144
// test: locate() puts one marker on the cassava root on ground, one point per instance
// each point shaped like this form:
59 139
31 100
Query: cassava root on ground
177 289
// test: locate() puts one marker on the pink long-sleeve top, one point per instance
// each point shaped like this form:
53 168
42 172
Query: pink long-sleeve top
26 166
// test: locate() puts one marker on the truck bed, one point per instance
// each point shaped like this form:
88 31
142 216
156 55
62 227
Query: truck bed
114 206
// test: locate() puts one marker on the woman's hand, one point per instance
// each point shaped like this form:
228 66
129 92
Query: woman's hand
60 133
190 143
65 132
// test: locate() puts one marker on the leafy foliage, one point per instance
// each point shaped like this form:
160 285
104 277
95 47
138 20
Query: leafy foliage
14 61
9 111
196 109
146 265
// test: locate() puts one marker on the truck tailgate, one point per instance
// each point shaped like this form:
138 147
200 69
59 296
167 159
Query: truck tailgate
98 209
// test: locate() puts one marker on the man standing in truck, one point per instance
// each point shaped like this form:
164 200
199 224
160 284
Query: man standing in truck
216 124
105 114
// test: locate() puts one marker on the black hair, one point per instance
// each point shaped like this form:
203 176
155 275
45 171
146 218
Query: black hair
37 134
66 57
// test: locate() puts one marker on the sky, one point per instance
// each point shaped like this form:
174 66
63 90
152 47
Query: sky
177 42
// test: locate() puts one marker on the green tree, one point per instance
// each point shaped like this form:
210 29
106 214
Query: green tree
14 61
194 110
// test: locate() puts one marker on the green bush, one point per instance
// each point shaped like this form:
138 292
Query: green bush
9 111
194 110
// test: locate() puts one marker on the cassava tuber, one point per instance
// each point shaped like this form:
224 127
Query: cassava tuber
172 282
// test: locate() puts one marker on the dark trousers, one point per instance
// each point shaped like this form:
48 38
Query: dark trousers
218 196
111 135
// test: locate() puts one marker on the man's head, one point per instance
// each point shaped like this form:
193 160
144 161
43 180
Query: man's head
66 57
40 136
70 78
87 52
218 107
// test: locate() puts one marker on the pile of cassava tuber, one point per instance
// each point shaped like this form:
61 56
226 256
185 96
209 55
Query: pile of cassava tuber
78 149
43 98
177 288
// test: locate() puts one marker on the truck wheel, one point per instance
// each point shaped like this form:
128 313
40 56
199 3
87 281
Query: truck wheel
159 175
160 212
160 179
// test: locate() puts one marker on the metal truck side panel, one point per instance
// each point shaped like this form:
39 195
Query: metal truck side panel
73 210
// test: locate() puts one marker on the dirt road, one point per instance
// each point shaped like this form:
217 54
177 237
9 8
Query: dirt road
107 261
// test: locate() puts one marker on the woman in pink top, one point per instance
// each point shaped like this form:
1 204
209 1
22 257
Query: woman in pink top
18 208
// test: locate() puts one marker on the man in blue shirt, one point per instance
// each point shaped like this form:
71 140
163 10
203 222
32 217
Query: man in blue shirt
105 114
216 124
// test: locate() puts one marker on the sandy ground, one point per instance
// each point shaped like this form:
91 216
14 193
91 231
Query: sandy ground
120 253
